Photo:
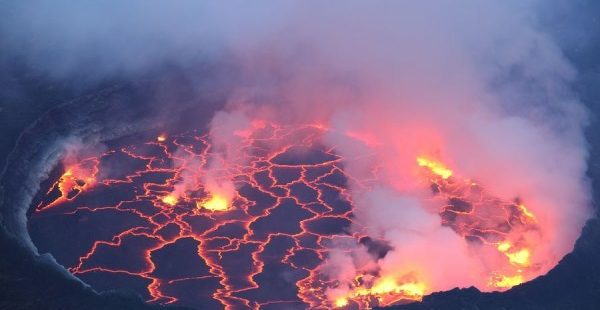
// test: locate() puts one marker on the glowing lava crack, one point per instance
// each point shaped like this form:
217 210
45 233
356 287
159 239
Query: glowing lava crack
125 223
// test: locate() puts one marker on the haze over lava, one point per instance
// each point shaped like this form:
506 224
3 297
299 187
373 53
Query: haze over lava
449 135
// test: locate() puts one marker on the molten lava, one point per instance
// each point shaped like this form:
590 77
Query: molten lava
170 200
387 291
369 291
76 179
290 202
436 167
215 203
467 204
341 302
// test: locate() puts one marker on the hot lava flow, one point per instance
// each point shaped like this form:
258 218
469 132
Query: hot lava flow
124 224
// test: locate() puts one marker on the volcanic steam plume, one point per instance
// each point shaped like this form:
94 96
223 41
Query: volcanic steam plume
365 154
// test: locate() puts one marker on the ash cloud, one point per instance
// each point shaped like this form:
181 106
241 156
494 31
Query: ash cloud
480 86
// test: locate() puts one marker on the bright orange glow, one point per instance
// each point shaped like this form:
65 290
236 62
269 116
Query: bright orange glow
520 258
515 257
503 246
161 138
215 203
387 291
506 281
527 214
76 179
341 302
465 199
435 166
384 286
170 200
413 289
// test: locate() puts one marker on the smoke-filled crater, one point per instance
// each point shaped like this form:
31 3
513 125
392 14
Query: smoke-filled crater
296 155
267 215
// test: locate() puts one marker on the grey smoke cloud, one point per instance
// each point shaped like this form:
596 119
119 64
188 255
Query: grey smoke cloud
126 37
